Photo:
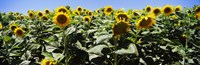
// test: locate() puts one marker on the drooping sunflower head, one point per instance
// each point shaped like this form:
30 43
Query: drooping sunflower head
136 12
79 8
148 8
145 22
120 28
178 8
61 19
19 32
108 10
167 9
121 16
39 14
76 12
44 18
197 9
48 62
12 26
31 14
62 9
156 11
47 11
87 18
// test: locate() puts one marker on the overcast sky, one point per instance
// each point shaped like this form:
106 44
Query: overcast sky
24 5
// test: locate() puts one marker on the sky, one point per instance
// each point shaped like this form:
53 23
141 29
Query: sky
23 6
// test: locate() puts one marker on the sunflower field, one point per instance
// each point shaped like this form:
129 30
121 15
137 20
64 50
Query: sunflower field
168 35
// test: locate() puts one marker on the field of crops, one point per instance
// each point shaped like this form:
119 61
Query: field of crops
165 35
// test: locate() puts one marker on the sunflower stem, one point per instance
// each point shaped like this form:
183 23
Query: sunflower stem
115 55
137 35
65 48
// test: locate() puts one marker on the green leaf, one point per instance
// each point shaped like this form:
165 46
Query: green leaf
132 49
102 38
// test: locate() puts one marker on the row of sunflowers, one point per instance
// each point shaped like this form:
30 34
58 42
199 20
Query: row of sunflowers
105 36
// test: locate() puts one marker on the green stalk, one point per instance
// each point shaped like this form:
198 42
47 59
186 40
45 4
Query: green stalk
65 48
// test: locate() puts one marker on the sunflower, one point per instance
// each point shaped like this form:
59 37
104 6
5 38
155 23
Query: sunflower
48 62
136 12
178 8
31 14
13 27
88 12
167 9
79 8
19 32
156 11
148 8
197 9
121 16
61 19
87 18
39 14
47 11
1 26
44 18
62 9
120 28
145 22
108 10
76 12
197 15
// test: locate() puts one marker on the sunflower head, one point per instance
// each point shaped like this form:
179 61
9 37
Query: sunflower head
44 18
136 12
197 9
156 11
19 32
178 8
13 27
1 26
145 22
167 9
31 14
76 12
39 14
48 62
197 15
108 10
121 16
88 12
148 8
62 9
120 28
47 11
61 19
87 18
79 8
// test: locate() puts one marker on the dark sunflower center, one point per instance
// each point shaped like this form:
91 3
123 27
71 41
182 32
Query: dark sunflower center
86 19
90 13
167 10
44 18
40 14
47 11
120 28
156 11
122 16
109 10
177 9
76 13
148 9
30 14
79 9
145 22
62 10
19 32
47 63
13 27
61 19
197 10
136 14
